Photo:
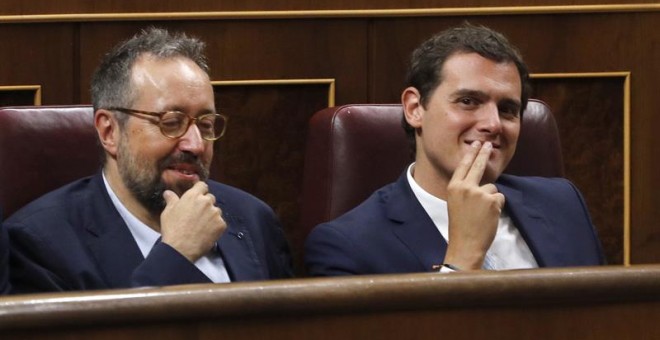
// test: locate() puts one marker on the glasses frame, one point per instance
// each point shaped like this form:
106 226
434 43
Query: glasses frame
191 120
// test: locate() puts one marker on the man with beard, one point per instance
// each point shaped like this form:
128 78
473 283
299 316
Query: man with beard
151 217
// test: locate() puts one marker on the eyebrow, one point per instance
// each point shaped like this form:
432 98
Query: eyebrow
481 94
195 114
468 92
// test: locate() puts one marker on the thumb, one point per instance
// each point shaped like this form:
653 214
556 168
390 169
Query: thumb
170 197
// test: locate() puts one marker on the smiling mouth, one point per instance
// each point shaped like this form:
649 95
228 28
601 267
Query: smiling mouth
186 172
186 169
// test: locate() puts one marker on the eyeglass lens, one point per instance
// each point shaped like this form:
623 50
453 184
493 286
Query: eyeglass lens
175 124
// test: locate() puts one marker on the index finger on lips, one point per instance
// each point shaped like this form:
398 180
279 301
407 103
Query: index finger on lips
466 162
476 171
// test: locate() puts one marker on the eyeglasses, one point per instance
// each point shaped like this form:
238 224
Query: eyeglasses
174 124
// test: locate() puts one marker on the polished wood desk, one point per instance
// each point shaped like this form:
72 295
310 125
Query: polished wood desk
574 303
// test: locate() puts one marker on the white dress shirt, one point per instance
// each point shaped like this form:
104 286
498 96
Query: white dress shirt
508 250
211 264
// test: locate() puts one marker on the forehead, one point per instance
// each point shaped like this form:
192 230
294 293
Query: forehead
171 83
472 71
149 70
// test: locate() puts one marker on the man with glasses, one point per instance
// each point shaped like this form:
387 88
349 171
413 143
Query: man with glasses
151 217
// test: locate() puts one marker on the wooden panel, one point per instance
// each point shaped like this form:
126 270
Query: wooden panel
262 151
244 50
570 303
592 322
20 7
590 117
20 95
39 54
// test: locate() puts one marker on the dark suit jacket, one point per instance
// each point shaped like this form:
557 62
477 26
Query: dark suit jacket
74 239
391 233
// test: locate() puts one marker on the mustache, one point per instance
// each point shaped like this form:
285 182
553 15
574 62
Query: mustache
185 158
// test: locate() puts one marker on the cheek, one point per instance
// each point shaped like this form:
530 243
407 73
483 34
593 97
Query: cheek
208 154
444 138
511 134
512 131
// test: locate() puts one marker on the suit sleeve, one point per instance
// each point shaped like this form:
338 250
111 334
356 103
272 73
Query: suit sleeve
165 266
33 263
46 263
178 270
328 252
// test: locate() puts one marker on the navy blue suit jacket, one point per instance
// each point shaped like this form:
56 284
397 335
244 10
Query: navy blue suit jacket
74 239
391 233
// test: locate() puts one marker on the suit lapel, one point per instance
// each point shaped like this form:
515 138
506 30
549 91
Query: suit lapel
530 220
238 251
109 240
416 230
413 226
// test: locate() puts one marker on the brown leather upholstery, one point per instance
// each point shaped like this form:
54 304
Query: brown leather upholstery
353 150
43 148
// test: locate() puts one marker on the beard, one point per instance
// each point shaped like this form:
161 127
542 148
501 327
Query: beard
145 181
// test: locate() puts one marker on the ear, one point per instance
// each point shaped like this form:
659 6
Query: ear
412 107
107 129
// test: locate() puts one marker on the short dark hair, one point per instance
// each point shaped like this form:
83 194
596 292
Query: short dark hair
426 63
111 82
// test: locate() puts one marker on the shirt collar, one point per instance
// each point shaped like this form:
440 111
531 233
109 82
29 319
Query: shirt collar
143 234
435 207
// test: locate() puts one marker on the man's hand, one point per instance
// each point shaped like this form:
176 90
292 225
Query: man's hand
473 210
192 223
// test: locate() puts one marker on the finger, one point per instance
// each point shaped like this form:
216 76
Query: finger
500 200
170 197
466 162
476 171
211 197
218 211
489 188
200 188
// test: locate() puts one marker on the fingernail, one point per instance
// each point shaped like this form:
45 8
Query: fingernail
488 145
475 144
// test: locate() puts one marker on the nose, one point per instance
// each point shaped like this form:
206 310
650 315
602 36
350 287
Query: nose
490 122
192 140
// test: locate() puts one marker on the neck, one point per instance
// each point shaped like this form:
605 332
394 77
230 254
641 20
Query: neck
129 201
430 180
